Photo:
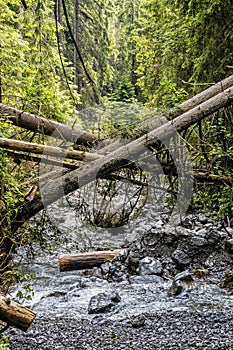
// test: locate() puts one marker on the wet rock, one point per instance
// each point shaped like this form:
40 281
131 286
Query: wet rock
150 266
202 232
103 302
181 257
203 219
147 279
213 236
199 241
175 289
181 282
96 272
105 268
182 231
229 245
138 321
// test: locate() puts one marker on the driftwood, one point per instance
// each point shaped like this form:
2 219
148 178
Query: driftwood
88 260
15 314
47 127
118 158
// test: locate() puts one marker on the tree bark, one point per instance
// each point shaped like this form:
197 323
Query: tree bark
118 158
82 261
15 314
206 94
46 150
40 159
41 125
47 127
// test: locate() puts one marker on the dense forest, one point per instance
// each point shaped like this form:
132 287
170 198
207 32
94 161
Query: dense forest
104 67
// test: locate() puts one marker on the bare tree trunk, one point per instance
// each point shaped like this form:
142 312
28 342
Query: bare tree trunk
59 17
46 150
48 127
207 94
76 37
118 158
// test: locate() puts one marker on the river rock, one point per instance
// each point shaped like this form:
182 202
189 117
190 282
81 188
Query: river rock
138 321
213 236
181 257
103 302
181 282
150 266
199 241
147 279
203 219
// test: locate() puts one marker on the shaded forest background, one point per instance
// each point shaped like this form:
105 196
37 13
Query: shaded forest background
61 58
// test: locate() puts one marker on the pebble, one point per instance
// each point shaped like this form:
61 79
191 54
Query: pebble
186 330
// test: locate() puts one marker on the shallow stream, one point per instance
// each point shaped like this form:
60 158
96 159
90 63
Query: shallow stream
68 293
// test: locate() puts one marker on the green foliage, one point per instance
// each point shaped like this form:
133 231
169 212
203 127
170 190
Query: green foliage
124 22
183 41
25 292
4 342
30 65
116 119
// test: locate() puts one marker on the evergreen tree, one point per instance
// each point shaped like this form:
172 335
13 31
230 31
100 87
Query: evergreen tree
180 41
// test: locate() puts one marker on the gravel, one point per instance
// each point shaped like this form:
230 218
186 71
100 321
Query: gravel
166 329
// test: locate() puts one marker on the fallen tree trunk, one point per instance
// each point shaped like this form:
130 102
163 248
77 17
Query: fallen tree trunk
118 158
220 179
88 260
46 150
40 159
47 127
15 314
206 94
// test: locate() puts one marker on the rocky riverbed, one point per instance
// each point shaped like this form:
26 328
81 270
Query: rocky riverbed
171 289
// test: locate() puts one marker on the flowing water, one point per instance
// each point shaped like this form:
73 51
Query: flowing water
69 293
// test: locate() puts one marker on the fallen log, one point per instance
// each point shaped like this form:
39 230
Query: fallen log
15 314
88 260
207 94
40 159
48 127
118 158
46 150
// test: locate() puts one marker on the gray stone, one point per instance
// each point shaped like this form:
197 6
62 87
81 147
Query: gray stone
175 289
105 268
183 276
181 282
199 241
145 279
182 231
203 219
213 236
103 302
202 232
138 321
150 266
181 257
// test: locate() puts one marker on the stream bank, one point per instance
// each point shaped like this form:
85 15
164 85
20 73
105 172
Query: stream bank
168 283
